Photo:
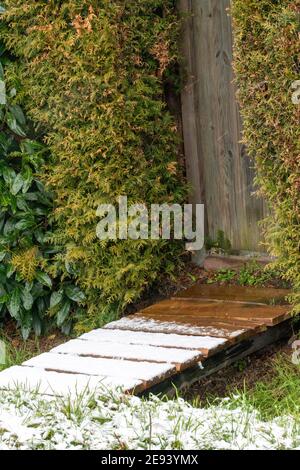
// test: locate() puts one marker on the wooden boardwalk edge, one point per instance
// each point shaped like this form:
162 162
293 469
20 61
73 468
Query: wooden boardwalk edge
163 345
222 359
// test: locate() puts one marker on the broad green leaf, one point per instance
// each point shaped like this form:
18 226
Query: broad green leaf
24 224
37 324
17 184
74 293
9 175
21 204
66 328
17 112
27 299
63 313
55 299
31 197
8 227
2 255
31 147
27 177
14 303
10 271
12 93
2 92
1 71
25 330
44 279
14 126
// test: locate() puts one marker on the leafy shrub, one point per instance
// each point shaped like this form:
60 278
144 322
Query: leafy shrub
267 64
93 75
29 273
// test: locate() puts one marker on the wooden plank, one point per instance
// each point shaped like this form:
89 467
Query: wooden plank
223 359
60 384
268 315
188 108
144 324
193 320
256 295
207 345
181 358
147 372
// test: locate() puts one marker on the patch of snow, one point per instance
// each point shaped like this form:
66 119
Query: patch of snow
154 339
128 351
141 370
114 421
150 325
58 383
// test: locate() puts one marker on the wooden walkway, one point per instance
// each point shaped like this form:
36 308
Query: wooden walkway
173 342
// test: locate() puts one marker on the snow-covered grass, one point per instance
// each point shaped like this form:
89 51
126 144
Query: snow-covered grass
106 419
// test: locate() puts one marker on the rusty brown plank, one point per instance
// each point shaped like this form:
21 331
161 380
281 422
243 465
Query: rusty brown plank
256 295
188 326
270 315
193 320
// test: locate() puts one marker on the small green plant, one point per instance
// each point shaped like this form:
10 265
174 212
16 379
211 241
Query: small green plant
252 274
279 394
220 245
223 276
241 365
16 355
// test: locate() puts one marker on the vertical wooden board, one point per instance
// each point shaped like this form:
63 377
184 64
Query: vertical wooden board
226 173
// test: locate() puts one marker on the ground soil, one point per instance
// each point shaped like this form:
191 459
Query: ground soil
32 345
244 374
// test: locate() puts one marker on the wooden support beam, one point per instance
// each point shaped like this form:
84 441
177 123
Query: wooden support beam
224 359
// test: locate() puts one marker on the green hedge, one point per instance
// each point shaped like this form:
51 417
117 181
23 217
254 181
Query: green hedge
267 62
31 287
92 75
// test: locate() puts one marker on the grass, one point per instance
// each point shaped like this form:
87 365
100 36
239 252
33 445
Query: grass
278 396
252 274
15 355
267 416
106 419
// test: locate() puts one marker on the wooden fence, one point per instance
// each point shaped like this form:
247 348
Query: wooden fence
217 163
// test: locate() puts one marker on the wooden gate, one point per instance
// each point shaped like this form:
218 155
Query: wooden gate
217 164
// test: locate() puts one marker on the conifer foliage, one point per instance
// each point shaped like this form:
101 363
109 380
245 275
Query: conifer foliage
92 76
267 64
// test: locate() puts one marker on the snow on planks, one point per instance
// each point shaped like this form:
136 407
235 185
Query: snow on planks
205 344
155 345
62 384
181 358
162 324
148 372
